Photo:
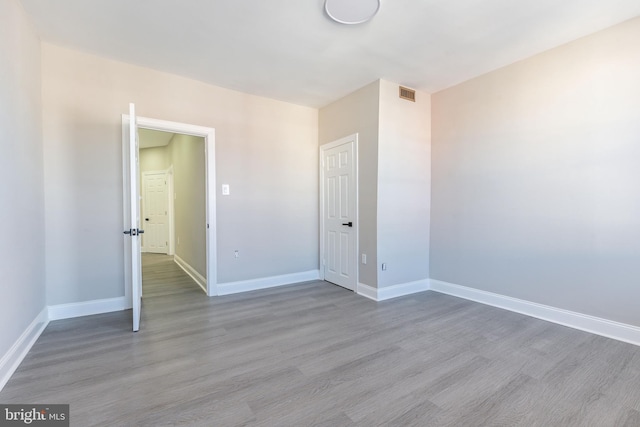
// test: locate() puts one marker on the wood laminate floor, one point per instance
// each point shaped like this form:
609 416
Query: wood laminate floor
316 354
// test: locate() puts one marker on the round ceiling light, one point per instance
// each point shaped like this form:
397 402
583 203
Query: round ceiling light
351 11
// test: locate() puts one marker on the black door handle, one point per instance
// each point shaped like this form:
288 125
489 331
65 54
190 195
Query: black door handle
146 219
348 224
134 232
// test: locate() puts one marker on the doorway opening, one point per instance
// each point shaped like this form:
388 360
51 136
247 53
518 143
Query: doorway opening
173 203
134 224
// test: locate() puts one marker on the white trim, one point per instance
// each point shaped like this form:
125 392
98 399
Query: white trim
348 139
211 221
395 291
367 291
88 308
584 322
16 354
197 277
171 250
267 282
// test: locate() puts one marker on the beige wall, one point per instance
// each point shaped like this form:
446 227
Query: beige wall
22 264
189 171
266 151
154 159
358 113
535 178
404 173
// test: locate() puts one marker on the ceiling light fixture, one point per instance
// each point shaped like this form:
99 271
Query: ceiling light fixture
351 12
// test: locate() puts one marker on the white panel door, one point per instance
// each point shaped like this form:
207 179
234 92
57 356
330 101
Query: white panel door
155 209
339 216
133 233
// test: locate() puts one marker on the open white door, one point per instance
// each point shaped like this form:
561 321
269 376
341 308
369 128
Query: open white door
132 221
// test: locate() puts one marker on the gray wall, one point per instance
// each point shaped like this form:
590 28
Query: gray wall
358 113
535 178
266 150
186 154
404 173
22 264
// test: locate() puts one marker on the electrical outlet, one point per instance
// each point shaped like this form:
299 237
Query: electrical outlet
364 258
236 254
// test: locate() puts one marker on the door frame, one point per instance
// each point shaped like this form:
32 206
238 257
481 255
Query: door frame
170 206
168 191
324 147
209 135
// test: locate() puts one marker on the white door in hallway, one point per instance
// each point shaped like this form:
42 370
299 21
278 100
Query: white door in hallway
155 210
339 216
132 232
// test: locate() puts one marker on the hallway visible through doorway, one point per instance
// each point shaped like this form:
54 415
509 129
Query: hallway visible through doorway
161 276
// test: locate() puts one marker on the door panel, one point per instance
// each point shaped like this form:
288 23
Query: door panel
133 233
339 201
156 225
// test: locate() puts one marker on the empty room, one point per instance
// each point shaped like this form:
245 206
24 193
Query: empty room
332 212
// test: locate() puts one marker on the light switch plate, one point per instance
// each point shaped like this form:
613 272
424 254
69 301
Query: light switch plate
225 190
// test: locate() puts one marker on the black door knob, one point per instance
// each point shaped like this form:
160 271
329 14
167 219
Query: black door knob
348 224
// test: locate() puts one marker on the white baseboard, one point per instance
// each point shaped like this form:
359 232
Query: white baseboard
402 289
367 291
88 308
197 277
12 359
572 319
266 282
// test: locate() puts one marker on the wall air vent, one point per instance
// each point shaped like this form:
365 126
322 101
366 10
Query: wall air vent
408 94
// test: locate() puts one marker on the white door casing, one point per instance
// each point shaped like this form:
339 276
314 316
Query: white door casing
155 210
210 180
339 212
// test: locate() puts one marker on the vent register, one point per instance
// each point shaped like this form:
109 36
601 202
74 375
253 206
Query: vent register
408 94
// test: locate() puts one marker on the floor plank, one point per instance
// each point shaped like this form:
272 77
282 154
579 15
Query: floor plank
317 354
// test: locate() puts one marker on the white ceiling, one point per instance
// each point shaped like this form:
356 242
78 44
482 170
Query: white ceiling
148 138
290 50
